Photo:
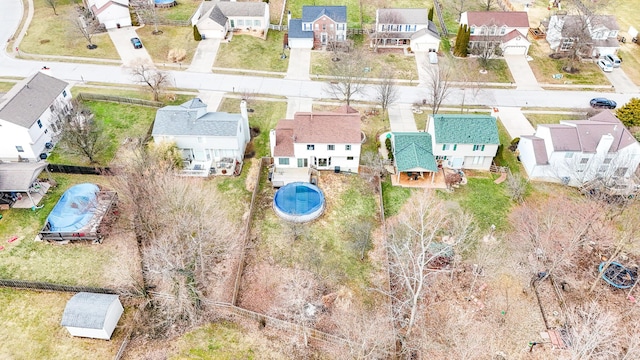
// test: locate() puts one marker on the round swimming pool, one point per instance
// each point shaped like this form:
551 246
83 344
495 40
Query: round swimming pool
299 202
165 2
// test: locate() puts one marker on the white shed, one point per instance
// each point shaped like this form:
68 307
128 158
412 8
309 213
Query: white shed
92 315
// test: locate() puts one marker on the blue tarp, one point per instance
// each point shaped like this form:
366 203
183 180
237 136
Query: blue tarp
75 208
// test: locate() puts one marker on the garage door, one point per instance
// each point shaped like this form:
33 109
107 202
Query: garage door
515 50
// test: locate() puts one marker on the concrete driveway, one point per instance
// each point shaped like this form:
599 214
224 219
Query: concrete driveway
514 121
621 81
299 64
205 55
298 104
401 118
121 38
422 64
521 72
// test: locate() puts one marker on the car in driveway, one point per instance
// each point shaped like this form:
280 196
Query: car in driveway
137 44
614 60
603 103
605 65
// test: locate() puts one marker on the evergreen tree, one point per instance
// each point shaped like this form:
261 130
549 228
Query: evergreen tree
629 114
459 37
196 34
430 16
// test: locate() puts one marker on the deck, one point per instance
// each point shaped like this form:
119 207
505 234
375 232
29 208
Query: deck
283 176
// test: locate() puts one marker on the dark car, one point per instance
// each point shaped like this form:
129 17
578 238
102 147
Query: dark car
136 43
602 103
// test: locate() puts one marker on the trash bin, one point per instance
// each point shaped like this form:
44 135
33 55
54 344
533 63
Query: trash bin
203 36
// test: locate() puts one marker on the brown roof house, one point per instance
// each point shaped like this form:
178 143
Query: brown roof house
327 140
575 152
596 35
506 30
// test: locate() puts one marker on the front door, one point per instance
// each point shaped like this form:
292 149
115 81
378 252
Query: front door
323 38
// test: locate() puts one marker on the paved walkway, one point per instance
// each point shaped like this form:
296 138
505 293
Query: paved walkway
298 104
621 81
121 39
514 121
521 72
299 64
401 118
205 56
212 99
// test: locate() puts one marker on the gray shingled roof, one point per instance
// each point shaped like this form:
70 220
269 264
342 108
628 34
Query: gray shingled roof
183 120
336 13
431 29
28 99
18 176
217 16
295 30
465 129
87 310
233 8
403 16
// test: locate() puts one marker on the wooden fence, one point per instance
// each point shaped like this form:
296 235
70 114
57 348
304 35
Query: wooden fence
85 170
34 285
118 99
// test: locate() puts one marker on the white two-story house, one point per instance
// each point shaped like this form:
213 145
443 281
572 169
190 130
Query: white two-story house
318 26
464 141
596 35
110 13
404 28
31 117
327 140
210 142
506 29
575 152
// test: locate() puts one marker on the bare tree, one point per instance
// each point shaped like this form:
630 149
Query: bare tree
53 4
146 11
147 74
417 250
349 75
470 86
438 85
375 165
460 6
488 5
387 89
83 25
517 187
593 332
486 46
368 331
82 135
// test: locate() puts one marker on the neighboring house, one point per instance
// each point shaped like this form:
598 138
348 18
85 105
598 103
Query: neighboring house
31 116
504 29
110 13
596 35
464 141
215 19
319 26
403 28
210 142
92 315
328 140
575 152
413 153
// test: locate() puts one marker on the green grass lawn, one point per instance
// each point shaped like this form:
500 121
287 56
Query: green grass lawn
403 66
183 11
249 52
394 197
544 67
6 86
57 37
505 157
120 121
172 38
31 329
132 92
536 119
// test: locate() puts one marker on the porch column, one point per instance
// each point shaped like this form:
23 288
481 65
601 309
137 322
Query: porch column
433 176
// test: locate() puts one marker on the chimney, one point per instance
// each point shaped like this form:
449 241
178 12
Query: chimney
245 120
272 140
289 18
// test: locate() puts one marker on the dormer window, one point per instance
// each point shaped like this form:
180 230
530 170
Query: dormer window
503 30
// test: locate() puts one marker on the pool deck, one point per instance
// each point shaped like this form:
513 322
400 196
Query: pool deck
284 176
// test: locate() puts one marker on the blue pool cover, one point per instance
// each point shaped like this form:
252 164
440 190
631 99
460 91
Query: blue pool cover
299 198
75 208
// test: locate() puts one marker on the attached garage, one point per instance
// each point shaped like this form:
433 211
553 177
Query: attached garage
92 315
515 50
515 43
298 39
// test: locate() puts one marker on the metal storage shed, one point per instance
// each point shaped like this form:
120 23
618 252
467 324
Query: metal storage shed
92 315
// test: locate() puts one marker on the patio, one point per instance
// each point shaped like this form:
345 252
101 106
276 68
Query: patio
424 181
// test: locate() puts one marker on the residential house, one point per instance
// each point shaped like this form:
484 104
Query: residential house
215 19
464 141
110 13
577 151
595 35
404 28
210 142
507 30
413 154
319 26
31 115
92 315
327 140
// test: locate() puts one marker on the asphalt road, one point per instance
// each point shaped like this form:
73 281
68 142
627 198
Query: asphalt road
11 14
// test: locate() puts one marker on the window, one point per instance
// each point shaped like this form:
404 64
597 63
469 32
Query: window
310 147
620 172
303 163
446 147
477 160
200 139
331 147
613 33
340 26
324 27
283 161
19 148
483 30
39 123
256 23
240 22
233 24
584 160
503 30
568 155
46 131
478 147
349 157
51 108
455 146
331 26
607 161
407 28
322 162
473 30
64 93
492 31
347 147
317 27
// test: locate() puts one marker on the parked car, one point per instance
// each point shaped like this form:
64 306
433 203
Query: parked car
137 44
602 103
614 60
605 65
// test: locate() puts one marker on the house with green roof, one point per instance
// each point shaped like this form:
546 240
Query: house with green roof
413 153
464 141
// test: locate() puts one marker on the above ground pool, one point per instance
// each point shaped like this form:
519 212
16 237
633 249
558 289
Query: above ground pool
298 202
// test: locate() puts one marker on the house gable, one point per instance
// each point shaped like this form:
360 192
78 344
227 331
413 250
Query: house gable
413 152
311 14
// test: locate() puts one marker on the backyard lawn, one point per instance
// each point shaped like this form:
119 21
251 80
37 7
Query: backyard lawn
58 37
183 11
536 119
249 52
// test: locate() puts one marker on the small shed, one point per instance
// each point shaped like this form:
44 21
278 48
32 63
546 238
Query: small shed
92 315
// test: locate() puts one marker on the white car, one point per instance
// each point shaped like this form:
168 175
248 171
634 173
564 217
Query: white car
605 65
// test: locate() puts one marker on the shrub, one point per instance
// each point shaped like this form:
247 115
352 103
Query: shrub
629 114
196 34
387 143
